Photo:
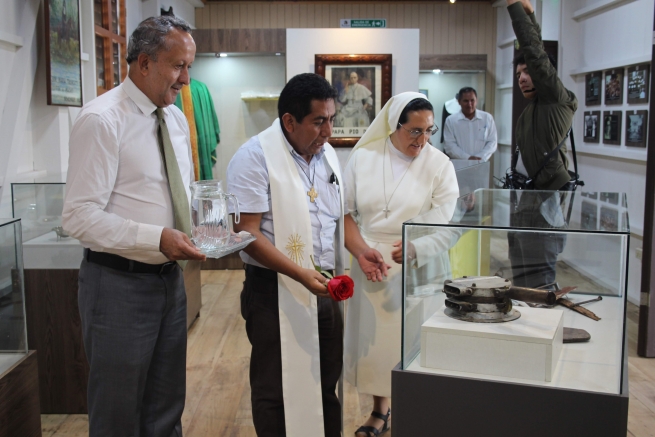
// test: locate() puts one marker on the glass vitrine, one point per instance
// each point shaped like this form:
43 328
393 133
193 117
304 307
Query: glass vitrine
537 240
471 175
46 245
13 332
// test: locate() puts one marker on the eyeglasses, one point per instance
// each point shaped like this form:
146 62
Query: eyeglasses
415 133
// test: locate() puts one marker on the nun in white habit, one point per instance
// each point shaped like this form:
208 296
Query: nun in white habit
393 174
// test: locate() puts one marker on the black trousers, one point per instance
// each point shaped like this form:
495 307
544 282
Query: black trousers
259 307
533 255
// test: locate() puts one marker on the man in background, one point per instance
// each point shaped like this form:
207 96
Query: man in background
127 201
470 133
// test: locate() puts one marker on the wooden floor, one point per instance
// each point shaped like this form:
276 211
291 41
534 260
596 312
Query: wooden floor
218 393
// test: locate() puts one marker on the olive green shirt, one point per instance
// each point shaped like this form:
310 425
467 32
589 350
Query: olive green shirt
543 125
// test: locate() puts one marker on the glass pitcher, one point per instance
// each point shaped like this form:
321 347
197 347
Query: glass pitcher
210 220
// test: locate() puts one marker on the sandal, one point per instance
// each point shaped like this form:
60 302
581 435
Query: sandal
372 431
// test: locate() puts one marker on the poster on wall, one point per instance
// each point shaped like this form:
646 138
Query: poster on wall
589 216
636 125
591 126
363 83
63 62
638 83
614 86
593 86
609 219
612 127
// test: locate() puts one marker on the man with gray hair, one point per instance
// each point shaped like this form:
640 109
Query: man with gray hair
127 201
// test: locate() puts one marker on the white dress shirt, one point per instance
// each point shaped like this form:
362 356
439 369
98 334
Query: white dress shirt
247 178
464 138
117 194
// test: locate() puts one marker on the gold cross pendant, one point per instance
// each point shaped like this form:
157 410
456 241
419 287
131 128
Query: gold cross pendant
313 194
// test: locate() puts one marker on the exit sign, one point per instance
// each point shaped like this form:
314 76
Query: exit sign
357 22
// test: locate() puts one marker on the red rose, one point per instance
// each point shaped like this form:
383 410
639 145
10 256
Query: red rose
341 287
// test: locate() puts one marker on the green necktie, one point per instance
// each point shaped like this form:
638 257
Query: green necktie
178 193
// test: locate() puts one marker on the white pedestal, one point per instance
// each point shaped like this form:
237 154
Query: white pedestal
527 348
46 252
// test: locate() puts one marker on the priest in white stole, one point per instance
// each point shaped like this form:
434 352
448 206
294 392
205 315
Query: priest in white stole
393 175
291 197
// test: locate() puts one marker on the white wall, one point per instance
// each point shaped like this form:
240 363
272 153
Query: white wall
598 38
226 79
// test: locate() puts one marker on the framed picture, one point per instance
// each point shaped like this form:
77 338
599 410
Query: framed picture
593 82
63 62
589 216
636 126
614 86
612 127
638 77
610 197
609 219
424 92
364 86
591 126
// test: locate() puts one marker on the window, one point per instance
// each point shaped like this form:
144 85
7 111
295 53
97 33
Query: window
111 44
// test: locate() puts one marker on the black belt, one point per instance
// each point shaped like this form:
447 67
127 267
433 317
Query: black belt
265 273
117 262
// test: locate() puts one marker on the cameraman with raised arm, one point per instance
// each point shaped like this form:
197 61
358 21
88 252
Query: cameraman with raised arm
544 124
540 155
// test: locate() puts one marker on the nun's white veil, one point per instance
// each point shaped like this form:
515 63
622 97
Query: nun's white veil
386 122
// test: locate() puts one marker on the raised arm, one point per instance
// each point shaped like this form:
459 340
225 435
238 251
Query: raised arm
548 86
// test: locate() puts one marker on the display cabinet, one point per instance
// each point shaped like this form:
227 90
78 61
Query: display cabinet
52 262
19 388
471 174
461 377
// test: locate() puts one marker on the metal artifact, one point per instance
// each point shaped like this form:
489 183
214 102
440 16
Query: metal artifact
579 309
488 299
60 232
575 335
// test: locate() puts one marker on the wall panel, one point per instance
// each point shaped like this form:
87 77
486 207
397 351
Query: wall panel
445 29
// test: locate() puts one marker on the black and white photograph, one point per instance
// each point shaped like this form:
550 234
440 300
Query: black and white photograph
589 216
593 85
636 125
612 198
591 126
612 127
614 86
609 219
638 77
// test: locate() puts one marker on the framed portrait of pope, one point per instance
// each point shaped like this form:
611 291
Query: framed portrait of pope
363 83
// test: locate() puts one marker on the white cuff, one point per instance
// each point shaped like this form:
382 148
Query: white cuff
148 237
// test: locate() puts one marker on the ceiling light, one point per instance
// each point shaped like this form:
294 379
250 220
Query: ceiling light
453 1
223 55
436 71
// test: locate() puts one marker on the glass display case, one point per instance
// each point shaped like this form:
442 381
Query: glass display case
46 244
13 331
570 246
471 174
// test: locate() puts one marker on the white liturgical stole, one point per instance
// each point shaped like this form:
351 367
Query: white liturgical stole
301 371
